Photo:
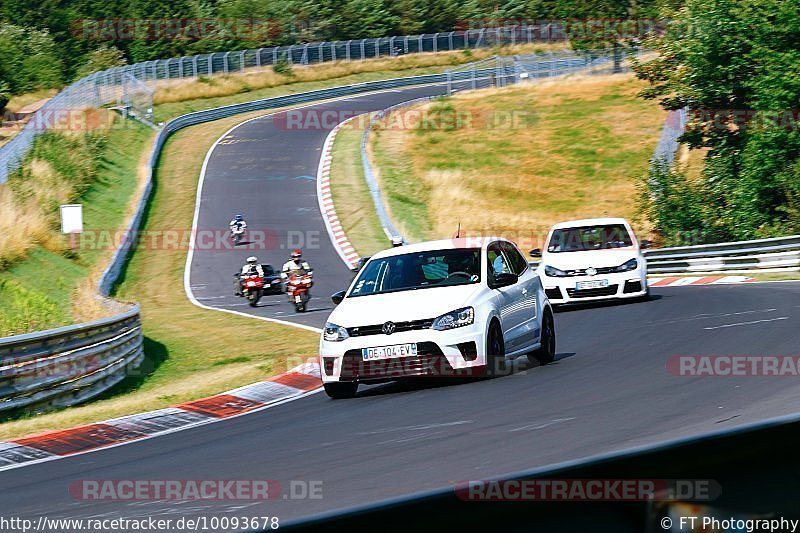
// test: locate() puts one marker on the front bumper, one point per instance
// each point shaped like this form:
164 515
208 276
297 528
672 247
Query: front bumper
622 285
440 354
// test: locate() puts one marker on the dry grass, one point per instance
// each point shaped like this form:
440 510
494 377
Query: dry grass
531 156
217 86
351 196
183 362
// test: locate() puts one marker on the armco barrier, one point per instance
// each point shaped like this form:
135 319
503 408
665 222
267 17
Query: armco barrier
781 253
66 366
120 85
69 365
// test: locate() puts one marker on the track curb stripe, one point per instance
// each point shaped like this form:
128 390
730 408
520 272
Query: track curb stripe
300 380
325 198
683 281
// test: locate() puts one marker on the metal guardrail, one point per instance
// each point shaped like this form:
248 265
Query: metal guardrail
64 366
111 86
781 253
492 72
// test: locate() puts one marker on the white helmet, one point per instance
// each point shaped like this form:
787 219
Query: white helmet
252 260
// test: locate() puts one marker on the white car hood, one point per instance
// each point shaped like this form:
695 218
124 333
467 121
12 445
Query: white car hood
591 258
402 306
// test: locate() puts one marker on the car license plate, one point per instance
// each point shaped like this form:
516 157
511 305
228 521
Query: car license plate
388 352
593 284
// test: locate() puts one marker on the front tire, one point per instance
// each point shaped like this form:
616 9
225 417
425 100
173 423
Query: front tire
547 352
340 391
495 350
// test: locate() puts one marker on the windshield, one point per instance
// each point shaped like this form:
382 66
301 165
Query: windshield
585 238
421 270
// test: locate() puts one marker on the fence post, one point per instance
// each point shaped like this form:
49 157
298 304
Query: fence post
180 67
405 44
450 41
436 42
347 50
333 50
363 49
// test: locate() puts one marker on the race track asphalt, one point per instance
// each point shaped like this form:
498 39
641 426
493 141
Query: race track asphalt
266 169
608 390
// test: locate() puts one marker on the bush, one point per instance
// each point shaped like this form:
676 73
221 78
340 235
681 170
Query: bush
283 67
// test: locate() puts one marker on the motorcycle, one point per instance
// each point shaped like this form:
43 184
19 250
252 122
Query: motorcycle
237 234
298 287
252 288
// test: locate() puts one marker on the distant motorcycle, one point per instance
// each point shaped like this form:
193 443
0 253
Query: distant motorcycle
298 288
237 234
252 288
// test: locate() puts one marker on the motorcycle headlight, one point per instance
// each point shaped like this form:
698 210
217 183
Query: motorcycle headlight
554 272
628 265
334 333
454 319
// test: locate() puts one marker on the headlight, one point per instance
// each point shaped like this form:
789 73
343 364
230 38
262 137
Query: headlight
334 333
454 319
628 265
554 272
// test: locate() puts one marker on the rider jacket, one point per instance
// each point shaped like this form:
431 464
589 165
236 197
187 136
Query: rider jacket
291 268
237 224
248 269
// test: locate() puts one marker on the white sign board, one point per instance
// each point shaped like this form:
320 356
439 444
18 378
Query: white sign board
72 218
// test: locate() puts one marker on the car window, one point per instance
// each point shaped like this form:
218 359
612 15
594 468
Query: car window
420 270
581 239
496 260
515 259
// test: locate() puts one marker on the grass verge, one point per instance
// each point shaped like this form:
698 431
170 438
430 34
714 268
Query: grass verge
185 96
351 196
514 161
43 278
182 361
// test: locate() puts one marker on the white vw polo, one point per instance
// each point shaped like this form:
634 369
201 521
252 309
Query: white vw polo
592 259
447 308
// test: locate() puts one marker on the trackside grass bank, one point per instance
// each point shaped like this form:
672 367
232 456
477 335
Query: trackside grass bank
513 161
190 352
183 96
46 279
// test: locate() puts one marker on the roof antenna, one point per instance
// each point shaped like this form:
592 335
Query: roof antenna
458 231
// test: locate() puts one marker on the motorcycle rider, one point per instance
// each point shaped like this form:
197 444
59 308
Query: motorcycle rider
296 267
237 224
251 268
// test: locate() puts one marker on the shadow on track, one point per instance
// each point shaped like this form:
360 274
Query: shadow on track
516 367
564 308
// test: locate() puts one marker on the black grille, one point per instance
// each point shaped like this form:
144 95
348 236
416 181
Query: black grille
329 365
554 294
632 286
582 271
429 361
611 290
363 331
469 350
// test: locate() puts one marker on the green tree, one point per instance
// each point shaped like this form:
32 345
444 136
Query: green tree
103 58
735 63
29 59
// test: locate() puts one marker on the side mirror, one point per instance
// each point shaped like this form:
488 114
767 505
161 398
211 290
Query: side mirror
337 297
645 244
504 279
536 252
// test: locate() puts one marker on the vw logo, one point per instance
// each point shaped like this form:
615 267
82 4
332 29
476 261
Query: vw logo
388 328
591 271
